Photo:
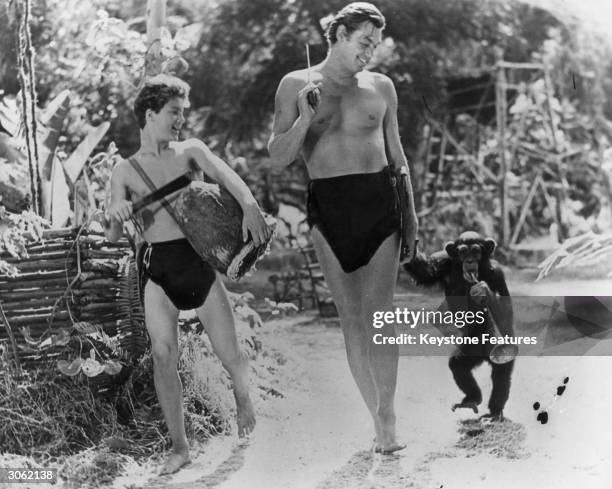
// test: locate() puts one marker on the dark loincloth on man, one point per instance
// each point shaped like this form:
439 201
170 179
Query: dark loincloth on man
355 213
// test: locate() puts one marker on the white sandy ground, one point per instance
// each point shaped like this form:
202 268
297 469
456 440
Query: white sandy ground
319 435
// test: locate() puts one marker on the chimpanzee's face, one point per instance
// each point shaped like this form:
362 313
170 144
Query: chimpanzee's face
468 251
469 255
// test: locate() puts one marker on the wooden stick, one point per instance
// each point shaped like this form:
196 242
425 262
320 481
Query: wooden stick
47 247
54 255
9 297
39 328
66 233
551 205
427 142
471 160
32 284
81 304
89 280
525 209
500 111
11 337
50 285
520 66
60 264
547 89
104 254
308 61
99 283
34 318
25 304
98 307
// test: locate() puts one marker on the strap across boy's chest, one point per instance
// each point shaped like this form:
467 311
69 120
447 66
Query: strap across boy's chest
159 194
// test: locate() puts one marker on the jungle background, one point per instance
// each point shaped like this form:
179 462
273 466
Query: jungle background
69 73
237 52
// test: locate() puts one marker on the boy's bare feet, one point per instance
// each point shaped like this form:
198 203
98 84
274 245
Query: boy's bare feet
175 461
245 415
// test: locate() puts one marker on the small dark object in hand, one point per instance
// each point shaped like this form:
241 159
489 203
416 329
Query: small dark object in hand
313 97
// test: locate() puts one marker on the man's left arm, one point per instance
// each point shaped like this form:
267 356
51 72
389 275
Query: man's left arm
220 172
395 152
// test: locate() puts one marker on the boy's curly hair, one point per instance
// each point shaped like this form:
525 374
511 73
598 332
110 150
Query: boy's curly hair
156 93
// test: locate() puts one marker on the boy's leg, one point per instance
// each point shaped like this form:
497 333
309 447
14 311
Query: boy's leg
161 318
218 319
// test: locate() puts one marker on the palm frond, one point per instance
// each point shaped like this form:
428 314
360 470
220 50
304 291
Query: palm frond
132 333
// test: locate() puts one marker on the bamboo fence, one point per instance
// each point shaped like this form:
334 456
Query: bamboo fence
69 277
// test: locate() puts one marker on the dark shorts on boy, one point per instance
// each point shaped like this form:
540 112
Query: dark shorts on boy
178 270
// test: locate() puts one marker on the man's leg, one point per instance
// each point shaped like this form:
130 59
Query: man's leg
378 280
161 318
218 319
346 292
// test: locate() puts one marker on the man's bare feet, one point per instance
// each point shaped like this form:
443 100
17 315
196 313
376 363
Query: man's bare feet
385 442
245 414
389 449
175 461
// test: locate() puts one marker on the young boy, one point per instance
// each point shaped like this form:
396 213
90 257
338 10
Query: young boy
176 277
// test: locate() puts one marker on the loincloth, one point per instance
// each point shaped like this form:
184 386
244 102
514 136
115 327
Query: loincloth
178 270
355 213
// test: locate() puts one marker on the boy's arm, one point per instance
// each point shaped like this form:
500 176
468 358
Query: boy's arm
219 171
120 208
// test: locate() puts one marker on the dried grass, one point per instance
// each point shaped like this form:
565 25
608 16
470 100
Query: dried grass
50 415
498 439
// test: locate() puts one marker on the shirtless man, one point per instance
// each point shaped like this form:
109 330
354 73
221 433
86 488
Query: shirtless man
176 277
347 132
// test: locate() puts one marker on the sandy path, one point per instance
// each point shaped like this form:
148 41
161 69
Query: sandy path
319 434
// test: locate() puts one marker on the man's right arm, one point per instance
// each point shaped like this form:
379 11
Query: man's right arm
120 209
292 118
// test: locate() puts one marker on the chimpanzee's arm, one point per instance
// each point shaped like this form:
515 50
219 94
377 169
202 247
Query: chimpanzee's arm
430 270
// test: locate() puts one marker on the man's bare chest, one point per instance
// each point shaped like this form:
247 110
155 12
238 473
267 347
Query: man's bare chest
357 108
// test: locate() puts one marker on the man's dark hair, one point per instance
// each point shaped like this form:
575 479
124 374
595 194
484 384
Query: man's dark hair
156 93
352 16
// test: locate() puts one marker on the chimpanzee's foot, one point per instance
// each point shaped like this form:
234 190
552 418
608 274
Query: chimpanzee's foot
493 417
473 405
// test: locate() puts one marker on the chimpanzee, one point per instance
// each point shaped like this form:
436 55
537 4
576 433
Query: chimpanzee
472 282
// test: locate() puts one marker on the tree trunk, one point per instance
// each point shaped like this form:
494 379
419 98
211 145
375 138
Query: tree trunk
156 19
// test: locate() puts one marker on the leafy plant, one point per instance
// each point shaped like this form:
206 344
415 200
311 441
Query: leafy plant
15 231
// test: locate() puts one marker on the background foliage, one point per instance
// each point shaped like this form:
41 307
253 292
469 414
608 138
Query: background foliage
238 50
